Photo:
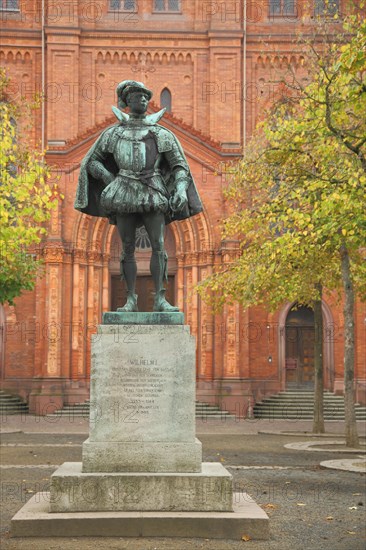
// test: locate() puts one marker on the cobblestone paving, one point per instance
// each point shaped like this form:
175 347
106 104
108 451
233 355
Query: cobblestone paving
310 508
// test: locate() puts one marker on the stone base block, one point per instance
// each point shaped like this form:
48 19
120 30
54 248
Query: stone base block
127 456
75 491
247 518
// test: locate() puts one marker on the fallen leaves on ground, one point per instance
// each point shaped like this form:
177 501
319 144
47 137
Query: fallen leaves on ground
245 538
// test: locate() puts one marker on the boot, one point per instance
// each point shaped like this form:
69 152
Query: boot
128 273
159 272
131 304
161 304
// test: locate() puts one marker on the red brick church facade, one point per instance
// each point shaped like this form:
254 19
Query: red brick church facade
215 69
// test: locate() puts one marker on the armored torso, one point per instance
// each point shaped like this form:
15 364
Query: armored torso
144 159
139 185
136 150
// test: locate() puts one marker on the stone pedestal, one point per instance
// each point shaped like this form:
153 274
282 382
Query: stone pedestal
34 520
142 453
206 491
142 401
141 470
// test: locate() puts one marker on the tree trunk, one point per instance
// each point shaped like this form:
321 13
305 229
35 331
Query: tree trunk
349 351
318 420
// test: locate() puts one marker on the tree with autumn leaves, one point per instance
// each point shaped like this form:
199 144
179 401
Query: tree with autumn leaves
299 199
26 199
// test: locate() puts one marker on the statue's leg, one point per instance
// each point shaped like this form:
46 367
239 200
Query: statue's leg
126 225
155 226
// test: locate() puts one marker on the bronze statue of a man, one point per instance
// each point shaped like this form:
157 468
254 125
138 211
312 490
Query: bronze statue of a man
136 174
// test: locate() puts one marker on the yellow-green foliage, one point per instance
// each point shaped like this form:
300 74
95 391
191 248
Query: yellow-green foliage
299 193
25 200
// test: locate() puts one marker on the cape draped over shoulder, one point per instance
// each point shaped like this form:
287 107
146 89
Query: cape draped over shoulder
90 189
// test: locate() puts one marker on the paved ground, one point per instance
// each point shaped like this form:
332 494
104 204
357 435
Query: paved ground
310 508
75 424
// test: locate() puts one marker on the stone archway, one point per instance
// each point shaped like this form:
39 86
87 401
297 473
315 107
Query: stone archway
328 347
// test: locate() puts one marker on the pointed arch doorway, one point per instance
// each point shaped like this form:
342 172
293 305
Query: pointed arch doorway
144 284
300 338
296 346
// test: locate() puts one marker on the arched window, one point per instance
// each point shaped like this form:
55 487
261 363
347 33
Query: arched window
282 7
124 5
167 5
166 100
9 5
142 239
326 7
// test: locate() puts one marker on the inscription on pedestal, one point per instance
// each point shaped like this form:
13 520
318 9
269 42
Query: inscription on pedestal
141 393
143 384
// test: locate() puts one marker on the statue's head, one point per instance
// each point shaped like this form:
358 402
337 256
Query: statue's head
134 95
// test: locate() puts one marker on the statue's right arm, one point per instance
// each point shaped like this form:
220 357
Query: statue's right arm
99 172
96 162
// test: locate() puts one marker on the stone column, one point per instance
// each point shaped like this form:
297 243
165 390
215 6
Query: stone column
180 281
48 395
78 315
105 282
